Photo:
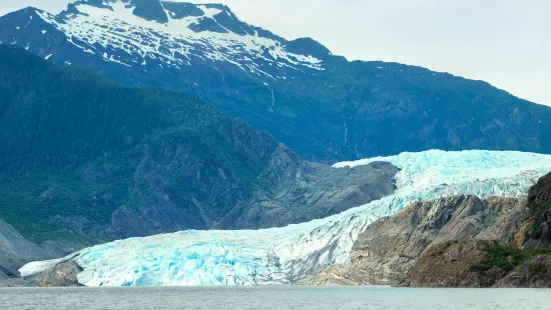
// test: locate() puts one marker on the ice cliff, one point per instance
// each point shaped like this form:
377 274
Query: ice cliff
288 254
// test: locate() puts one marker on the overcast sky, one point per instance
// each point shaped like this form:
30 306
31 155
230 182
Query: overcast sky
504 42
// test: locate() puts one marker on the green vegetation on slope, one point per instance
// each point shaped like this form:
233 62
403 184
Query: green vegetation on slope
85 159
506 258
537 236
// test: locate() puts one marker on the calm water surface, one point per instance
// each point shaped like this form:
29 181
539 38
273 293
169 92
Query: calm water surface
273 297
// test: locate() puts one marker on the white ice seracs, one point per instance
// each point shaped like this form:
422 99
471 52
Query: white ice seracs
484 172
288 254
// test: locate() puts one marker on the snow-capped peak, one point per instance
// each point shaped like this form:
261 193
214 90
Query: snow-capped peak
173 34
155 10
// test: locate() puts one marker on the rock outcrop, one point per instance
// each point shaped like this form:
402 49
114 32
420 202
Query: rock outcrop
456 242
295 191
287 191
392 248
533 273
448 265
539 204
16 250
61 275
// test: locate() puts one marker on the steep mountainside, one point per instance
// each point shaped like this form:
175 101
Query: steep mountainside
88 160
15 250
388 249
332 109
458 241
519 258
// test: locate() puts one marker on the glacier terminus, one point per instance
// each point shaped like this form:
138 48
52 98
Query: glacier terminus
289 254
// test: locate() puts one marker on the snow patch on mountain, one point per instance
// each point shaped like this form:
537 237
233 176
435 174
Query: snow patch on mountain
114 29
288 254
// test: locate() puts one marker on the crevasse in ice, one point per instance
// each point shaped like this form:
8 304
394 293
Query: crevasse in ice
285 255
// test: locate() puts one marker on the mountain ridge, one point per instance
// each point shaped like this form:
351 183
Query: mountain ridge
333 109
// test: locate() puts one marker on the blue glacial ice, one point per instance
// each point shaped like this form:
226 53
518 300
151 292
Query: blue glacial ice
288 254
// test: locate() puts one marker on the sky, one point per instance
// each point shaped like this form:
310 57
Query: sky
503 42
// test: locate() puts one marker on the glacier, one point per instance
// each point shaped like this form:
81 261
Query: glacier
288 254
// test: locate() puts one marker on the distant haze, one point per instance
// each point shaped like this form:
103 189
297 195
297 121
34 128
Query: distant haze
504 42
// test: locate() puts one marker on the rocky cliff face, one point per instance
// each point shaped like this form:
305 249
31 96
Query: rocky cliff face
517 254
456 242
296 191
389 249
448 265
532 273
15 251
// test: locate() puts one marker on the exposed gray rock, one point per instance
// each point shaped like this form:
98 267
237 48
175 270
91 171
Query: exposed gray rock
296 191
388 249
339 275
534 273
447 264
16 250
288 190
61 275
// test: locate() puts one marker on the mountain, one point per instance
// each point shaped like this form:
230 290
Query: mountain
87 160
426 187
322 106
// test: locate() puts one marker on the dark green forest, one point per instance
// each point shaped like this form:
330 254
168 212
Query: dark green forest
75 148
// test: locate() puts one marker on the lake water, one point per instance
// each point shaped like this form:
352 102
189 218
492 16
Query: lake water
273 297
